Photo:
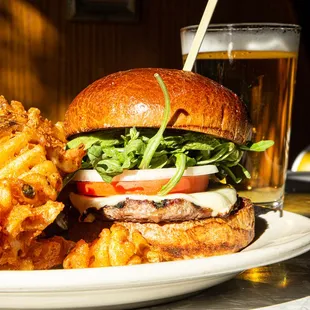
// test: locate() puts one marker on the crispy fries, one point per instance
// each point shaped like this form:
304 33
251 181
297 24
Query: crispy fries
13 146
99 251
114 247
48 253
43 254
33 160
23 163
79 257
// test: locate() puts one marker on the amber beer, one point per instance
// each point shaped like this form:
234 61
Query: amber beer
263 75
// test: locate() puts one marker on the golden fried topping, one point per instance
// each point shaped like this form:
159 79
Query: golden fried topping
114 247
33 160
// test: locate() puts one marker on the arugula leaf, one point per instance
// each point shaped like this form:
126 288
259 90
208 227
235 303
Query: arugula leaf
260 146
94 154
200 146
228 172
111 166
108 168
181 166
113 152
109 142
190 162
234 157
105 177
216 157
158 162
132 153
172 141
133 133
154 142
245 172
202 139
134 147
111 156
85 140
90 139
130 134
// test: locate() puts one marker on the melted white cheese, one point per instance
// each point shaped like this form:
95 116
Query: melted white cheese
220 201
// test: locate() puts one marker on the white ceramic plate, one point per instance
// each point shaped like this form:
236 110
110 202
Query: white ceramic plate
279 238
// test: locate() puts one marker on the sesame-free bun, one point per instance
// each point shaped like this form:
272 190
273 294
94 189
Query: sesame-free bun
134 98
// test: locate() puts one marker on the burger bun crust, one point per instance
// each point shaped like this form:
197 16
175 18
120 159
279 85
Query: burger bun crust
134 98
199 238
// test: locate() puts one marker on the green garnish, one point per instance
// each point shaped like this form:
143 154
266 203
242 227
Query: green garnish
112 152
154 142
180 164
260 146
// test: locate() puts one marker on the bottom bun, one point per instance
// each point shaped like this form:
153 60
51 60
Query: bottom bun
199 238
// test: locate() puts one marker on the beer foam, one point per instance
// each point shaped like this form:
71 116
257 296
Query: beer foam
244 39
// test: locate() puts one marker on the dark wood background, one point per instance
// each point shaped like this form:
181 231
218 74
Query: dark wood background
45 60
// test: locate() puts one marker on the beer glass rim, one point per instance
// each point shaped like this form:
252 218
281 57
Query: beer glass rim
245 26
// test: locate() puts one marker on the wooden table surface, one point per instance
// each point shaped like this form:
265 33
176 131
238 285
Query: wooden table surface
298 203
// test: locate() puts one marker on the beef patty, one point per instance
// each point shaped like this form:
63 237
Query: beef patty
148 211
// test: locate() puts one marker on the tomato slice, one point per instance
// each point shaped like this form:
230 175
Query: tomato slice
186 185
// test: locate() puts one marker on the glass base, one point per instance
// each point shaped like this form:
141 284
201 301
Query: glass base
275 205
268 197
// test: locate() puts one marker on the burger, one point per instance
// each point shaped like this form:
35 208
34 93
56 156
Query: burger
163 150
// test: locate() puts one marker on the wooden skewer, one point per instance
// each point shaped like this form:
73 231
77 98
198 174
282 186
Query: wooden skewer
202 28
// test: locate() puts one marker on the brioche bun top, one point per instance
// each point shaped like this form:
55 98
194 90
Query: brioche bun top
134 98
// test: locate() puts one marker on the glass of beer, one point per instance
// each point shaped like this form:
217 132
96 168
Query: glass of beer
258 62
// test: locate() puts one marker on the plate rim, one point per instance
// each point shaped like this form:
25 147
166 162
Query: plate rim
284 250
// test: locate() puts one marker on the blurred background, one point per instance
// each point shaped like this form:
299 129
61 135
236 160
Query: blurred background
47 58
